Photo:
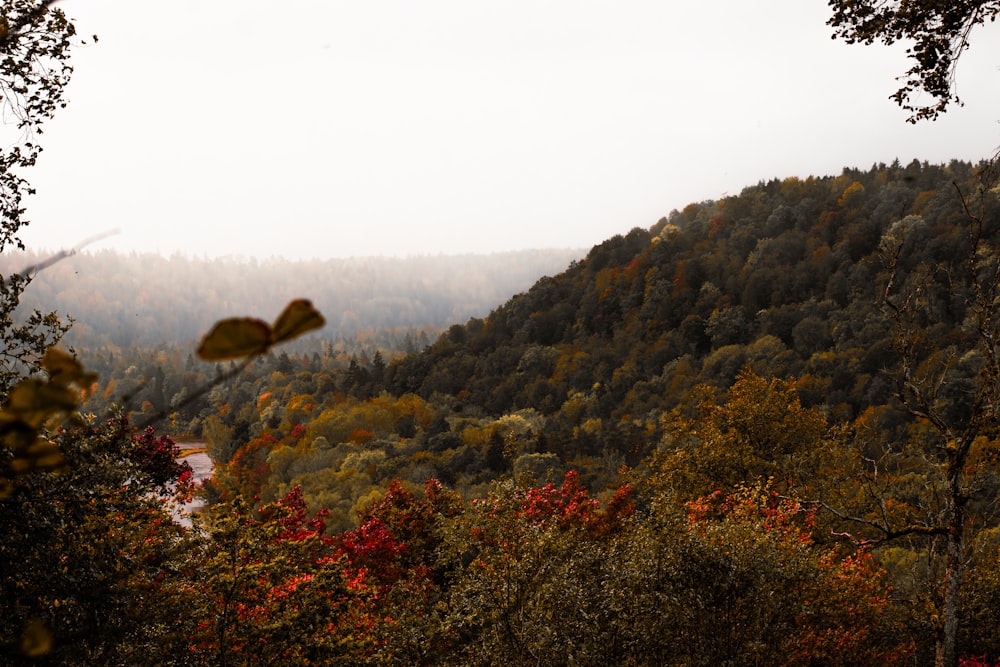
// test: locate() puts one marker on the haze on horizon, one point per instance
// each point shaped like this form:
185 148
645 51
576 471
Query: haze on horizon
337 129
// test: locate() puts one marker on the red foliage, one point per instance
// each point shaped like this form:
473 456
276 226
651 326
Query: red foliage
372 550
284 575
715 225
842 601
290 511
773 512
572 506
413 524
360 436
976 661
248 468
157 458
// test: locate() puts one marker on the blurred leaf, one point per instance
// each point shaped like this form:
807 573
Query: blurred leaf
234 338
245 336
39 455
298 317
30 404
36 639
33 401
15 433
64 369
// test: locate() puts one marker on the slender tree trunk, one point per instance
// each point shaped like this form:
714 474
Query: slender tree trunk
947 649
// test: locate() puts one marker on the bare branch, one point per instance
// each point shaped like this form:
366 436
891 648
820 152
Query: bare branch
30 270
887 534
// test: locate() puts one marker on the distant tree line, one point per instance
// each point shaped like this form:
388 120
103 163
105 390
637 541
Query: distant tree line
146 300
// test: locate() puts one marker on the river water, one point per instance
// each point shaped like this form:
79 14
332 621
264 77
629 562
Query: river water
202 467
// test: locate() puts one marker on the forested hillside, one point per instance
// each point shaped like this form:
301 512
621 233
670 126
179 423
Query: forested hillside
759 344
785 280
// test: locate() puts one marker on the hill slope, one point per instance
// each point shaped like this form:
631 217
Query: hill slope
783 278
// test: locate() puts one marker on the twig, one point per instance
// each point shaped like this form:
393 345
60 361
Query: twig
63 254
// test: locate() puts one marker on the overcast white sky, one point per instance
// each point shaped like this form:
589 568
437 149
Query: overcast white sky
326 128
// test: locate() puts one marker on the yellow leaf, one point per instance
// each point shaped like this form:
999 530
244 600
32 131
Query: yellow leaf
234 338
298 317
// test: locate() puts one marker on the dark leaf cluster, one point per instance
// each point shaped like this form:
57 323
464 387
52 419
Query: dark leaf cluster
938 34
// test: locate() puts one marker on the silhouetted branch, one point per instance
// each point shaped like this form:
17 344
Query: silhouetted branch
23 20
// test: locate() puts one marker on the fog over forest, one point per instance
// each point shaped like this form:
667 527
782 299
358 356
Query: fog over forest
147 300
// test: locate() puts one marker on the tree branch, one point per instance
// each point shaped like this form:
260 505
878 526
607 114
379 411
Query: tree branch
887 533
22 21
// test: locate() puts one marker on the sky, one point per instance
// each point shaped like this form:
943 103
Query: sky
337 128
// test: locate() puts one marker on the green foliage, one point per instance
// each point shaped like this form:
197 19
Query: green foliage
981 597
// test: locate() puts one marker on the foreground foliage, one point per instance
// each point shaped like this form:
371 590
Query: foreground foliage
80 546
547 574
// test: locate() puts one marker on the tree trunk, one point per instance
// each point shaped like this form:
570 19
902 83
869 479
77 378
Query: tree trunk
947 649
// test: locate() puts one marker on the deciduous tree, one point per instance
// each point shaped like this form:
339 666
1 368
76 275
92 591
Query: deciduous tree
937 488
35 41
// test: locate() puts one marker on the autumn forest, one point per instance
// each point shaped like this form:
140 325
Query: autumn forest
762 431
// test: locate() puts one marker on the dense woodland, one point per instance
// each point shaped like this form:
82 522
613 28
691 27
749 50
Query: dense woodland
761 432
687 448
784 280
